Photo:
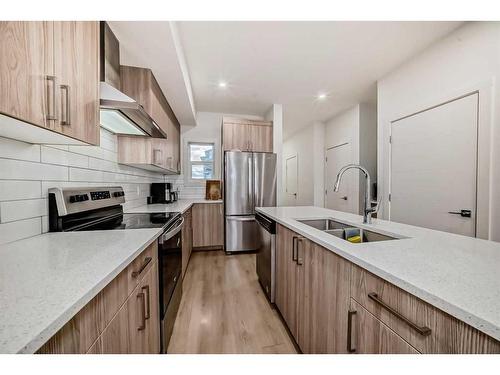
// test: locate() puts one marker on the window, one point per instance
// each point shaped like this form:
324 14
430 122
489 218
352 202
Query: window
201 161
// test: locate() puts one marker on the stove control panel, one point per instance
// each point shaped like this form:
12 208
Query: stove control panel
97 195
74 200
78 198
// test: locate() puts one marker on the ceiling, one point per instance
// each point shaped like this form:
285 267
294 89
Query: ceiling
291 62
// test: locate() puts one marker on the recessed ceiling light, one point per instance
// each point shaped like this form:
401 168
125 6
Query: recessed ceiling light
321 96
222 85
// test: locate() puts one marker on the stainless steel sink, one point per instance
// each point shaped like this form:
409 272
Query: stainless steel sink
344 231
324 224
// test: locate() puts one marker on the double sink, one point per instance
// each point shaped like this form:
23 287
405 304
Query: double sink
346 231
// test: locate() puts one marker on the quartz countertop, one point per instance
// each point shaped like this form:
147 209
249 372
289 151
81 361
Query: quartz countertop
45 280
181 206
457 274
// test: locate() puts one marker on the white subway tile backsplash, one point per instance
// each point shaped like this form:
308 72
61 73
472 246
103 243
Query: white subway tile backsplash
13 190
12 149
28 171
56 156
22 209
18 230
25 170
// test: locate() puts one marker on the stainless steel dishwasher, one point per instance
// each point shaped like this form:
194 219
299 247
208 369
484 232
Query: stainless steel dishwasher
266 255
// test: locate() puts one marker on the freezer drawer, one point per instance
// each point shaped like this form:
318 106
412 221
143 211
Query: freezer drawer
242 233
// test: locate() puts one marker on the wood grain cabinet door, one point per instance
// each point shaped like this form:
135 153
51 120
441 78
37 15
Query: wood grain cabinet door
235 137
208 225
323 299
260 138
368 335
286 279
27 61
149 286
76 61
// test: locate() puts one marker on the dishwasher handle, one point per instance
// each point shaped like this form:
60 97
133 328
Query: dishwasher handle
268 224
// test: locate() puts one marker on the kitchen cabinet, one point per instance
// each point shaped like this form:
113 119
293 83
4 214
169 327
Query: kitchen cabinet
187 240
287 278
121 318
141 85
145 152
368 335
423 326
333 306
208 225
247 135
50 78
312 293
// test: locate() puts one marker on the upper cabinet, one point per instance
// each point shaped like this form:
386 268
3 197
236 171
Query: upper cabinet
50 78
247 135
141 85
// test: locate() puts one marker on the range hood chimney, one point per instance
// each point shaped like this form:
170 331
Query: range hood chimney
120 114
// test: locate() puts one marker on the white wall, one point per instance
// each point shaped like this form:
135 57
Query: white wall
27 172
275 114
301 144
344 128
318 150
465 61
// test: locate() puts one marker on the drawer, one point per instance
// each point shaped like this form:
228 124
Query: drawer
423 326
117 291
368 335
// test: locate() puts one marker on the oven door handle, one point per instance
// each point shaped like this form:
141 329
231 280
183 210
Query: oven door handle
172 232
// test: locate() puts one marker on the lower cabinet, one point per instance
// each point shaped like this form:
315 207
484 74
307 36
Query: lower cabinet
312 293
368 335
333 306
208 219
122 318
187 240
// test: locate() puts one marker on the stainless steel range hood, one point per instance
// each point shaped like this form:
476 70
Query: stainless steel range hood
120 114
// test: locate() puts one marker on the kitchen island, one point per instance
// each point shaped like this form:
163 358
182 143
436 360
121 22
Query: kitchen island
457 275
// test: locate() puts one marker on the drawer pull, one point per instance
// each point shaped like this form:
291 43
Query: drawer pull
294 248
424 331
147 314
350 315
147 260
300 260
142 309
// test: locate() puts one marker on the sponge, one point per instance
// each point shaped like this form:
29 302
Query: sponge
354 239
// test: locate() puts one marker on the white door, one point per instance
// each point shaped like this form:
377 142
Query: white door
291 171
433 167
342 200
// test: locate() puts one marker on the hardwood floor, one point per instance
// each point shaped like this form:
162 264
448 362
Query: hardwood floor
223 309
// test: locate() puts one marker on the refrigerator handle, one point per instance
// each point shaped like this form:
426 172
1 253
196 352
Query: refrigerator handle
251 183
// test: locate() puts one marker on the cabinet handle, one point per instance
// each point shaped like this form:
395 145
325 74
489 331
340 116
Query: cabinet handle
51 114
67 114
142 309
294 248
424 331
147 313
300 259
147 260
350 315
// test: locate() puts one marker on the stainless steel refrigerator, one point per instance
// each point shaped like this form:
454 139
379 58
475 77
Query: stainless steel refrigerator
249 182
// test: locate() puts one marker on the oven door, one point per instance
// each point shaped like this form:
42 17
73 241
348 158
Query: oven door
170 267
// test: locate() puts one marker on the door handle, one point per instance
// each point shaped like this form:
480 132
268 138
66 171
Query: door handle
142 309
344 198
67 111
463 213
51 109
147 313
294 248
350 315
300 259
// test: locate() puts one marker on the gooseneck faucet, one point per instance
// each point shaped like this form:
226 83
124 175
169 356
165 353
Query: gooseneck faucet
368 210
